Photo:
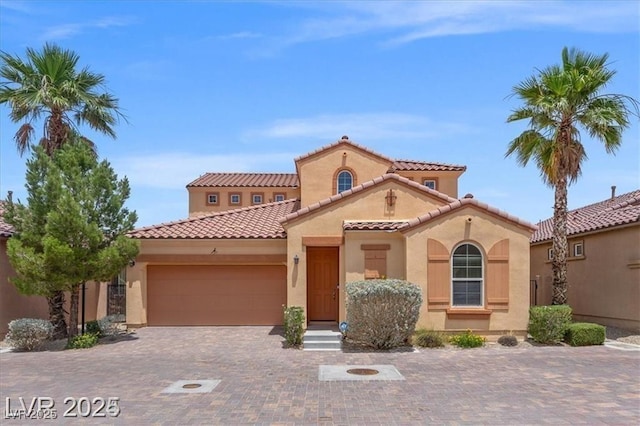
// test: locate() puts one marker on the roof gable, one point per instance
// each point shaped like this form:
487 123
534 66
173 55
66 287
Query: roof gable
460 204
255 222
344 141
366 186
617 211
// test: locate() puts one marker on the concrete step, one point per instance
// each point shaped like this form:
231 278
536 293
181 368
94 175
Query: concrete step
322 340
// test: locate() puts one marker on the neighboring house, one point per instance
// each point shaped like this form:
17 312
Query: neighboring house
347 214
14 305
603 268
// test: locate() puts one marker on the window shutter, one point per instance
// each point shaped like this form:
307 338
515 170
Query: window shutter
497 277
438 275
375 264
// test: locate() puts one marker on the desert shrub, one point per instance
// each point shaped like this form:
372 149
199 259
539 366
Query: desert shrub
382 313
28 334
109 325
293 325
547 324
83 341
508 340
93 327
429 338
585 334
467 340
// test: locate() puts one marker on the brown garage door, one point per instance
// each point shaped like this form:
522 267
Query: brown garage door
215 295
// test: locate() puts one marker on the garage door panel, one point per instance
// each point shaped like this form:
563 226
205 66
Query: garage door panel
215 295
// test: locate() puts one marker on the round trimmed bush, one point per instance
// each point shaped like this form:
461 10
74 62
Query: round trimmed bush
508 340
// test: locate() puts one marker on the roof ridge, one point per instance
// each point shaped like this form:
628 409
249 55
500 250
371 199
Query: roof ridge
407 160
338 142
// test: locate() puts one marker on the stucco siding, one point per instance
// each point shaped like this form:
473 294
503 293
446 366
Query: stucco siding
604 284
198 197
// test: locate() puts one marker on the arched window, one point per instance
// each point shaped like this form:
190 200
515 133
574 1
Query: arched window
467 276
344 181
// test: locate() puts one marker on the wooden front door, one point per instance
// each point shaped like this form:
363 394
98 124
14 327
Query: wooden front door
322 283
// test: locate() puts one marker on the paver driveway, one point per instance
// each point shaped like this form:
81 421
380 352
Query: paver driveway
262 383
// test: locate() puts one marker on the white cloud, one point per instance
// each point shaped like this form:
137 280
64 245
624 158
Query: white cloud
402 22
363 126
72 29
175 170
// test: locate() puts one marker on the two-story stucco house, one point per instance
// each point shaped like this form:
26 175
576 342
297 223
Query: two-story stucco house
254 242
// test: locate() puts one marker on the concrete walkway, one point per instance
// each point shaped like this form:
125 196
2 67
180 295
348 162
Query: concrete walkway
261 383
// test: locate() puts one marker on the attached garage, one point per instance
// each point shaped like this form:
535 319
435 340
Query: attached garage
184 295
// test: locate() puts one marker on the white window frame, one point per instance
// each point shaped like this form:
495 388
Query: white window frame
278 197
256 199
550 253
575 249
215 201
481 279
232 196
338 181
428 182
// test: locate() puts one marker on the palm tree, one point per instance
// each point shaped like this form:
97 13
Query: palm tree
559 102
47 86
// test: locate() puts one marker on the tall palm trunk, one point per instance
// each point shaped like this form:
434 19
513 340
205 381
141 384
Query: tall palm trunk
559 258
56 315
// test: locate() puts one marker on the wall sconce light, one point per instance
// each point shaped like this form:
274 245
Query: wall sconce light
132 263
391 198
296 259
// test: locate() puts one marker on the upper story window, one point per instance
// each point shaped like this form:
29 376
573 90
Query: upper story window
429 183
213 198
578 249
344 181
235 198
256 198
278 196
467 276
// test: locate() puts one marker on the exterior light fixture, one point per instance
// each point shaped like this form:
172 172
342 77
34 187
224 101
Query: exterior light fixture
296 259
391 198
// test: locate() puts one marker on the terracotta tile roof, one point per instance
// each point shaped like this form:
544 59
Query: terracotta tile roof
362 187
373 225
247 180
410 165
620 210
343 141
6 230
458 204
259 221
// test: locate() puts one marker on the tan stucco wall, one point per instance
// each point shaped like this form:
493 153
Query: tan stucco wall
198 197
316 173
174 252
604 284
484 230
447 182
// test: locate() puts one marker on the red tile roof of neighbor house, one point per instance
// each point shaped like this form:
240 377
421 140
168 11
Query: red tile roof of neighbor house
410 165
259 221
246 180
6 230
615 211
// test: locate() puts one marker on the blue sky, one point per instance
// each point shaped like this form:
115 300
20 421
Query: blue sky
248 86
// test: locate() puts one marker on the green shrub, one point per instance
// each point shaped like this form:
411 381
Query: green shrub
28 334
109 325
382 313
467 340
293 325
508 340
585 334
429 338
93 327
547 324
83 341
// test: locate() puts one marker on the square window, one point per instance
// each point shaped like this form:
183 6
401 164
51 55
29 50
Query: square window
279 196
256 198
212 198
429 183
578 249
234 198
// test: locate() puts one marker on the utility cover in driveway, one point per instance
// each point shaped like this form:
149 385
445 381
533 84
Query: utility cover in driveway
331 373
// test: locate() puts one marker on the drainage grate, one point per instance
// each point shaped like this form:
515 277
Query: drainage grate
363 371
192 386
